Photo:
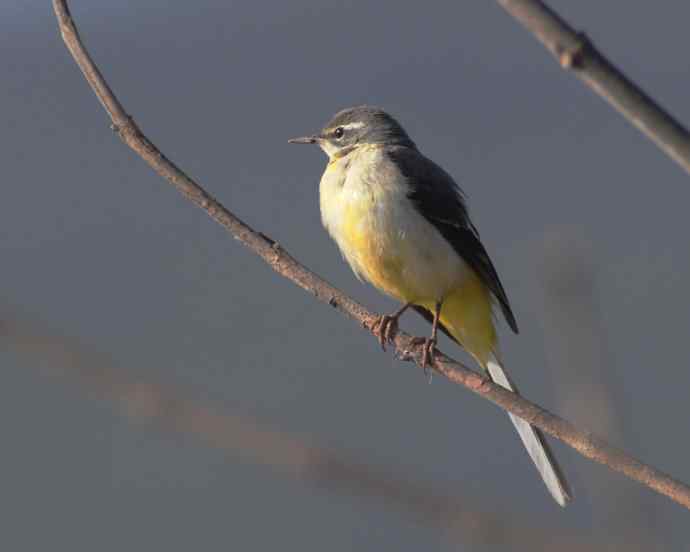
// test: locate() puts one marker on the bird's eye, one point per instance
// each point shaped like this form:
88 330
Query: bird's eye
338 132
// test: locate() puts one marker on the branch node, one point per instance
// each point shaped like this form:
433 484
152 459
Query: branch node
405 355
573 57
128 127
477 381
273 244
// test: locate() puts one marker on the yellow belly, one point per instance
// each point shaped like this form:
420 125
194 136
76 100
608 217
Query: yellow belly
376 258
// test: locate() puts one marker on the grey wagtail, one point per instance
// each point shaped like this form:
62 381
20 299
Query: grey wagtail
401 222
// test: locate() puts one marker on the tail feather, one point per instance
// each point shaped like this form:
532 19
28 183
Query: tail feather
466 317
534 441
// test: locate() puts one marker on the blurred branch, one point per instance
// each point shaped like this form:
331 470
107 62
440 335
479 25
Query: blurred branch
576 347
168 410
584 442
576 52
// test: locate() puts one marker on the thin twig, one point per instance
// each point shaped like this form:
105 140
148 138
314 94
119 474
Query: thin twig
584 442
576 52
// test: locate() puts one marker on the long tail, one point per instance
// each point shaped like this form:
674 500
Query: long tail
467 318
533 439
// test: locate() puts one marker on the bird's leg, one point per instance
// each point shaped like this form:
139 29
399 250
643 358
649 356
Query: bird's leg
386 326
429 343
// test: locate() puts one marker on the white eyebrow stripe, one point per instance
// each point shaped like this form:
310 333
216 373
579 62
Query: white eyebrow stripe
350 126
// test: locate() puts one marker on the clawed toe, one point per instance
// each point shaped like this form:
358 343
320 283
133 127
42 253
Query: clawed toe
385 329
386 326
428 346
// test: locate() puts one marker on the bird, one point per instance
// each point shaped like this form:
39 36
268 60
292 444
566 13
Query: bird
402 224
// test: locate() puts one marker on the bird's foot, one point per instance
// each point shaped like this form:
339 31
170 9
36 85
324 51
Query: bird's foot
428 346
385 328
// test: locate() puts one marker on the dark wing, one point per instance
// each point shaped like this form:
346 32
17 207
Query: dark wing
439 199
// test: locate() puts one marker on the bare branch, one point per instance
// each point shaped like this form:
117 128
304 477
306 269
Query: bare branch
576 52
587 444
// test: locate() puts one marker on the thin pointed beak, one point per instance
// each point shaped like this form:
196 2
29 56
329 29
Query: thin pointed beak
304 140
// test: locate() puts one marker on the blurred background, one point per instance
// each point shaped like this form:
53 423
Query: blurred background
163 389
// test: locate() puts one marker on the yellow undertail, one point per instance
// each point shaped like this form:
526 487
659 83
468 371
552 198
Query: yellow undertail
467 314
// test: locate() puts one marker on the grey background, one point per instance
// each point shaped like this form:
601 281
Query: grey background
584 218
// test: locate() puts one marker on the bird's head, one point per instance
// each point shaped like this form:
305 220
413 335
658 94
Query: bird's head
356 126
